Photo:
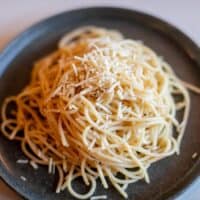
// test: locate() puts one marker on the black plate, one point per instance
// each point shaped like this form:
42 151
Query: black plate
169 176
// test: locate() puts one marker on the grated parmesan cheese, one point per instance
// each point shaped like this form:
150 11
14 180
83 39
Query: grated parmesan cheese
98 197
194 155
50 166
23 178
33 164
21 161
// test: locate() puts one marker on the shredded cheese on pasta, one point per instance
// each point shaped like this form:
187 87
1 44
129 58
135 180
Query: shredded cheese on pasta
99 106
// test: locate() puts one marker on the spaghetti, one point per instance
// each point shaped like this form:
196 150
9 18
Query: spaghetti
100 106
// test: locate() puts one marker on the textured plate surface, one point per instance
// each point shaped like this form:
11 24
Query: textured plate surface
169 176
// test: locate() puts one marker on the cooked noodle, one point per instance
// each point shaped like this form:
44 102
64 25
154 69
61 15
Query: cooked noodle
100 106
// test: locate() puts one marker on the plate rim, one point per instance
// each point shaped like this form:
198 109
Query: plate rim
189 46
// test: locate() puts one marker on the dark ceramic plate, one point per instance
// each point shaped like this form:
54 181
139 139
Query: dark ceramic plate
169 176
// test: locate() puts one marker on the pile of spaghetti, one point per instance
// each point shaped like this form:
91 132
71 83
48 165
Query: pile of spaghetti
99 107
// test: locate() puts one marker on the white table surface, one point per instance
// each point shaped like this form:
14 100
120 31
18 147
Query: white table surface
17 15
